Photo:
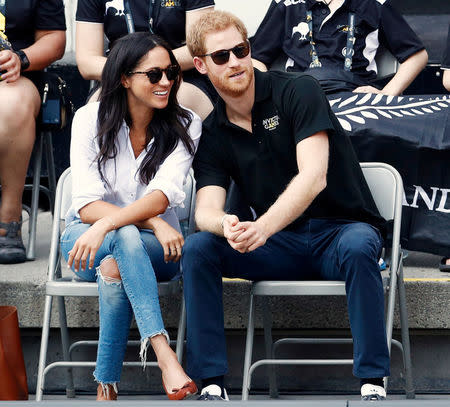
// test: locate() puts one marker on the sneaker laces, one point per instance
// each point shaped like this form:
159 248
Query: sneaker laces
371 392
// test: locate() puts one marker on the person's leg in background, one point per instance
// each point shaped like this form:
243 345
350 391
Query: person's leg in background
20 104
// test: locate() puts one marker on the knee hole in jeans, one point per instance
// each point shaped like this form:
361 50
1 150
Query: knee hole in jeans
108 271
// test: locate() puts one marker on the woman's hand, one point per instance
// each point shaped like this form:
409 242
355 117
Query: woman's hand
171 240
88 244
9 62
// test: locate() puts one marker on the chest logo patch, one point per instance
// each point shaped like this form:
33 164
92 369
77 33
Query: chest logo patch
301 28
271 123
116 5
170 3
288 3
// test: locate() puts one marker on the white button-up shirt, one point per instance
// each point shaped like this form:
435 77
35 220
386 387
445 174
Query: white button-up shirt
122 173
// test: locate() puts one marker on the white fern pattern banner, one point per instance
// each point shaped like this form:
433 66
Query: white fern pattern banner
361 109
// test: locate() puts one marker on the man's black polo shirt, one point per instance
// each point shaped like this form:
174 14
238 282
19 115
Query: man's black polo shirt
288 108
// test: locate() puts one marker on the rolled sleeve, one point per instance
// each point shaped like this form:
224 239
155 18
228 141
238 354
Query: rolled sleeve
87 186
171 174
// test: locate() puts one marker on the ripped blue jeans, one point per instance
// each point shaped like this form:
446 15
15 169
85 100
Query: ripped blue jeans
140 259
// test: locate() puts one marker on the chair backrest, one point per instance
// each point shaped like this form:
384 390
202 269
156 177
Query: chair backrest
386 186
63 200
387 64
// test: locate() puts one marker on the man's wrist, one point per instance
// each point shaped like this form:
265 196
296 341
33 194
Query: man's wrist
265 226
24 61
222 220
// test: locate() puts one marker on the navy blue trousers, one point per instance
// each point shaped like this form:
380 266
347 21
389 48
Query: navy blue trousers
319 249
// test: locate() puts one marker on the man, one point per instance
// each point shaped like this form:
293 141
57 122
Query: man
36 31
275 136
316 36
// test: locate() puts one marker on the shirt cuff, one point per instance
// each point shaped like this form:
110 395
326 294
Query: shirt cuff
174 194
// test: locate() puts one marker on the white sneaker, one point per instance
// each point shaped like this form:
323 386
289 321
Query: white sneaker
213 392
371 392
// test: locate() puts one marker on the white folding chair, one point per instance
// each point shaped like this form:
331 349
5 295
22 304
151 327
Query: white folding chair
60 287
386 186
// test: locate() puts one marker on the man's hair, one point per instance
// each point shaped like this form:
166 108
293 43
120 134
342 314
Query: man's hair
213 21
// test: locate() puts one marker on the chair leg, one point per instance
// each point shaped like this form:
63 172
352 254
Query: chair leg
409 386
181 332
268 342
32 222
44 346
65 342
248 350
49 158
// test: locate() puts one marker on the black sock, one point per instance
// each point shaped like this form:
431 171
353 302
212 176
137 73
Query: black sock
377 381
217 380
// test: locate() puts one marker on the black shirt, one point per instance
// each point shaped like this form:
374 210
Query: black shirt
169 19
288 108
446 58
284 30
24 17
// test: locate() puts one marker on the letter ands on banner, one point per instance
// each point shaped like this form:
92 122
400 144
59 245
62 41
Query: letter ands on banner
13 377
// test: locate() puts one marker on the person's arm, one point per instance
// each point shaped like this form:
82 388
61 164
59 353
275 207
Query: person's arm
398 37
211 217
407 72
312 161
182 54
268 39
446 79
259 65
48 47
89 46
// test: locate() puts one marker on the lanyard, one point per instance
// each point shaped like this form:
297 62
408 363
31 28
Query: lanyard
129 17
348 50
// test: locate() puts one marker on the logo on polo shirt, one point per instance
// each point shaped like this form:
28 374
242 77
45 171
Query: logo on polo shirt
302 28
290 2
117 5
170 3
271 123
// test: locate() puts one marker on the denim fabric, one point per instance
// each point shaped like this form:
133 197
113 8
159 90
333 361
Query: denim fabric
140 259
319 249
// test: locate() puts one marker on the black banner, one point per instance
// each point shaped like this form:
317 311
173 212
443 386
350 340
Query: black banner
413 135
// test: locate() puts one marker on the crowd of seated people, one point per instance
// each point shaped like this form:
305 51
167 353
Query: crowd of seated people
121 229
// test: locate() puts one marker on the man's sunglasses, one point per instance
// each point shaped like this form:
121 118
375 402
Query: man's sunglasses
155 74
222 56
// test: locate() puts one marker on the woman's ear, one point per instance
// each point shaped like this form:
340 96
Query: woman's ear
200 65
125 81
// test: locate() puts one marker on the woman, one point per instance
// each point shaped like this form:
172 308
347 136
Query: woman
168 19
130 153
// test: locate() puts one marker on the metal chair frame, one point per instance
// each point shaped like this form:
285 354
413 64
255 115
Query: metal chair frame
386 186
60 287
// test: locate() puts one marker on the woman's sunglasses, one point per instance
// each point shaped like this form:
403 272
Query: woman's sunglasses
155 74
222 56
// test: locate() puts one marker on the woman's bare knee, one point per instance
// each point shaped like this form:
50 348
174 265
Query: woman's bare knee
109 269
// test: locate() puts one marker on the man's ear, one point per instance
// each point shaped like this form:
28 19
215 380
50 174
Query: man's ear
200 65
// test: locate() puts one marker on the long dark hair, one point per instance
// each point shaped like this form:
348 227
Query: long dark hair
168 125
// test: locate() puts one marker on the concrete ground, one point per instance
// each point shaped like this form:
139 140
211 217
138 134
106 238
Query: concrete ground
428 293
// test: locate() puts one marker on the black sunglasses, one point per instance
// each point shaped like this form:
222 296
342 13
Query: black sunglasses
155 74
222 56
